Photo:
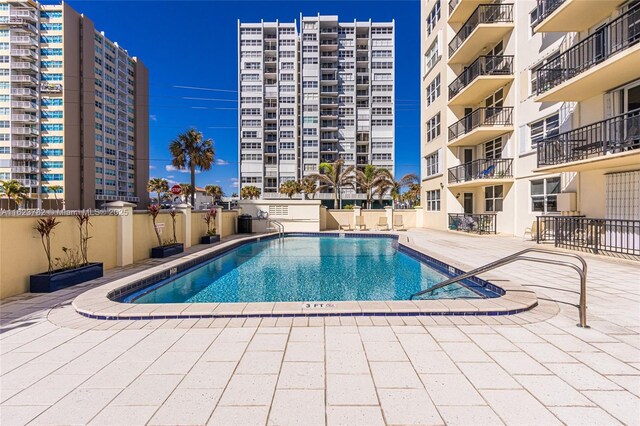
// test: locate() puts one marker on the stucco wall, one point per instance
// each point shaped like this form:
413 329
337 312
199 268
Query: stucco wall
144 237
229 223
22 254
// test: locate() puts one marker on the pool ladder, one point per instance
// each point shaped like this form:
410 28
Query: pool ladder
582 272
274 224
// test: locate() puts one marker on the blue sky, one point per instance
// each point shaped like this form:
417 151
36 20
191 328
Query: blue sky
193 44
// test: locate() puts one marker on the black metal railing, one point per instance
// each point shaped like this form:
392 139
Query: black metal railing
452 5
484 14
618 35
478 223
543 9
484 65
613 135
495 116
486 168
599 236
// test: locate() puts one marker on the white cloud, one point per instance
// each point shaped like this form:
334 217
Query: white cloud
221 162
234 182
170 177
171 168
153 117
151 167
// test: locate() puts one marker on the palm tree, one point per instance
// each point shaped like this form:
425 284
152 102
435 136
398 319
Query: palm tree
187 192
214 191
189 151
334 176
394 187
413 194
13 190
308 185
371 180
159 186
55 189
290 188
250 192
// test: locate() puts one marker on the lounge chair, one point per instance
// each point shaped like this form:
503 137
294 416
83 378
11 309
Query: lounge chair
533 231
346 226
360 225
382 224
488 172
397 223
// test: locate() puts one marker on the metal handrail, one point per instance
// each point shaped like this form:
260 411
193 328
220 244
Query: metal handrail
278 225
582 306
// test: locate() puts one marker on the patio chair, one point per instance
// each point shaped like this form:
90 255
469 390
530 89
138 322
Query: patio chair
382 224
397 223
533 231
487 172
346 226
360 223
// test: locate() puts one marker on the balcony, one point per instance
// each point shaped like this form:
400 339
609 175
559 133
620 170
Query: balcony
28 182
476 223
24 53
481 125
24 143
608 143
482 78
29 131
24 169
26 105
487 25
24 92
460 10
21 65
482 172
24 156
26 79
24 118
24 41
570 15
24 14
606 59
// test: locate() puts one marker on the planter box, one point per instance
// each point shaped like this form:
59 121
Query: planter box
166 251
46 283
210 239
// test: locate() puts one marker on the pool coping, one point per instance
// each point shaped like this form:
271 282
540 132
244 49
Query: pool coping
97 303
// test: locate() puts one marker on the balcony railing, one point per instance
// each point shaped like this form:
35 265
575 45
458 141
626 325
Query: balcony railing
618 35
484 65
496 116
613 135
543 9
452 5
485 168
484 14
599 236
477 223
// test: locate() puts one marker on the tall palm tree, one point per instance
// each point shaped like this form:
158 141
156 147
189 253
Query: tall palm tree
372 181
55 189
191 152
413 194
250 192
159 186
13 190
214 191
309 186
334 176
394 187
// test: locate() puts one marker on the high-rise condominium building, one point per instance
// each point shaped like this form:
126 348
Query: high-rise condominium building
73 109
532 109
316 94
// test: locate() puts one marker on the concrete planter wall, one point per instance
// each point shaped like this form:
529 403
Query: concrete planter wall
46 283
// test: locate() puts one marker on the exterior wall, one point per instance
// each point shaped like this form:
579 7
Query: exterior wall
294 215
144 237
198 226
229 223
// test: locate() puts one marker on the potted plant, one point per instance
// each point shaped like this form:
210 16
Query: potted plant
168 247
210 220
70 269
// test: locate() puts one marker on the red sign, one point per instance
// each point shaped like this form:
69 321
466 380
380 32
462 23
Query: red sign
176 190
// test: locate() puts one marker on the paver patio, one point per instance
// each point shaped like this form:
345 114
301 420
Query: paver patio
533 368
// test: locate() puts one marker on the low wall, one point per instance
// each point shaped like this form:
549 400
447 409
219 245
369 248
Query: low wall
335 218
22 254
294 215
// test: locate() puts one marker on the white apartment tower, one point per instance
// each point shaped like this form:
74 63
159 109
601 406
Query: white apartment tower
73 109
323 93
531 120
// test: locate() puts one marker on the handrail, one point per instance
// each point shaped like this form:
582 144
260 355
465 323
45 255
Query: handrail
278 225
582 306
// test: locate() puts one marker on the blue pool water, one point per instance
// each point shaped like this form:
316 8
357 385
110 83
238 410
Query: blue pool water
306 269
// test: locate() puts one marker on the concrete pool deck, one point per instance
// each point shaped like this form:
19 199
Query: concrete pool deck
537 367
99 303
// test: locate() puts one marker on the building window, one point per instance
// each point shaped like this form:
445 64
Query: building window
493 149
493 197
433 127
544 194
433 18
433 163
545 128
433 200
432 56
433 90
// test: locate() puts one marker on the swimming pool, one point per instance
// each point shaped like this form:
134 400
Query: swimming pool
311 268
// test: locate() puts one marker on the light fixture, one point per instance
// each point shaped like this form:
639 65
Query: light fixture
441 185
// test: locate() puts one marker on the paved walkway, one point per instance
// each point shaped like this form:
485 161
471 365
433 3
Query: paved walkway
535 368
